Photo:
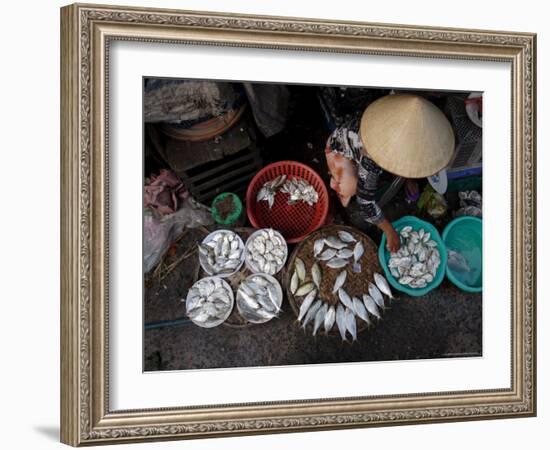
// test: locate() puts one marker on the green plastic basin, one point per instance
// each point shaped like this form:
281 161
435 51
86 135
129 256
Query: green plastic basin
384 255
465 236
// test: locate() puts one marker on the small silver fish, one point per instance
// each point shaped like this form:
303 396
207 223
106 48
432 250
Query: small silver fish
376 295
370 304
358 251
300 268
305 289
351 324
360 310
330 317
341 321
327 254
319 318
334 242
308 300
318 247
345 298
312 311
345 253
294 282
337 263
316 275
346 237
339 282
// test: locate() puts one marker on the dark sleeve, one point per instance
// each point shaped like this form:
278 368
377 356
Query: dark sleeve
367 182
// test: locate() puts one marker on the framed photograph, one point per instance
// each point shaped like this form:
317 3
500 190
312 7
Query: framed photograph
276 224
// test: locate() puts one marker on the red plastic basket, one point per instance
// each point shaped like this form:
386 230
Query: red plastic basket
296 221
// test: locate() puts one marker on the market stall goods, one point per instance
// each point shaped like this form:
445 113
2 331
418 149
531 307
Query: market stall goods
209 302
221 253
298 190
329 277
259 298
417 260
266 251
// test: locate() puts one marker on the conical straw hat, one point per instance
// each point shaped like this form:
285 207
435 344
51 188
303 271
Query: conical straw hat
407 135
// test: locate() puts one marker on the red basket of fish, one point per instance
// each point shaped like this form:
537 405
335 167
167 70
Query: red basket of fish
289 197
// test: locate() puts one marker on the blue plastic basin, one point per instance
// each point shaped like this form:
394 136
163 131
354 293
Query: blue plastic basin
384 256
465 236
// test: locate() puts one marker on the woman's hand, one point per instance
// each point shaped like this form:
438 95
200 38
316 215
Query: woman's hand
392 238
393 242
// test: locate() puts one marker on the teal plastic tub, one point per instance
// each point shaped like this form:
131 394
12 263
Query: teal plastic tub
384 256
464 235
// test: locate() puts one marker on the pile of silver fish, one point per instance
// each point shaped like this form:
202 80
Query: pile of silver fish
339 251
259 298
266 251
269 190
298 190
209 302
221 253
315 308
416 262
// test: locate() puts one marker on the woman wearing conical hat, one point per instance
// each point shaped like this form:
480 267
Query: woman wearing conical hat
403 134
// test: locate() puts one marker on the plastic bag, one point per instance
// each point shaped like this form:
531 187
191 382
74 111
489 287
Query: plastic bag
159 232
432 202
457 262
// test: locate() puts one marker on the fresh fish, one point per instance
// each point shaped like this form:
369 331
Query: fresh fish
376 295
340 280
360 310
328 254
249 300
318 247
330 318
300 190
334 242
337 263
305 289
417 257
266 252
294 282
351 324
319 318
358 251
345 298
308 300
345 253
370 304
266 303
346 237
383 285
316 275
312 311
208 301
300 268
341 321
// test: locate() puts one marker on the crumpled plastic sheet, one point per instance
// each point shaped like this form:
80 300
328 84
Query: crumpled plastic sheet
164 192
159 232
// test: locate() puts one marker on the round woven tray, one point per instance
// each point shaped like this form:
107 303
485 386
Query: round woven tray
356 283
235 320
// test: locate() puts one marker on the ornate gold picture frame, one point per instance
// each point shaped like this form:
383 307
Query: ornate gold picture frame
87 32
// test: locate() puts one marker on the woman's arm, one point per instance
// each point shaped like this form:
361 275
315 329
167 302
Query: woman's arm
392 238
368 173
